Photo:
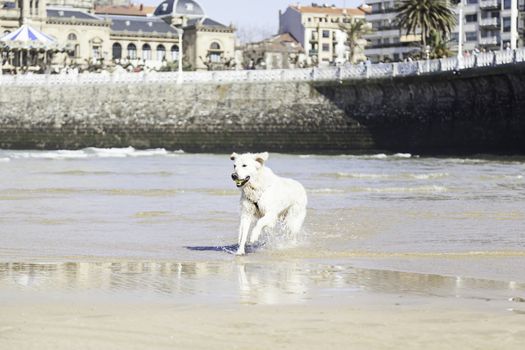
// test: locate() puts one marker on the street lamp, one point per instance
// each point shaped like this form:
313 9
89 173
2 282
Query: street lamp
459 3
513 24
179 75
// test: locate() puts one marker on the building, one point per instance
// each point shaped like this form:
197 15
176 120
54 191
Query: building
281 51
117 32
318 30
486 25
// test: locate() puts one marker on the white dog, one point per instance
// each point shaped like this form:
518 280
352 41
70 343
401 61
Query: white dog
266 198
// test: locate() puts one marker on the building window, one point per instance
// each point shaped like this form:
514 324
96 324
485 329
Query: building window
507 24
326 33
471 18
215 52
507 4
326 47
74 51
161 53
174 52
132 51
96 48
472 2
116 51
72 37
146 52
97 53
471 36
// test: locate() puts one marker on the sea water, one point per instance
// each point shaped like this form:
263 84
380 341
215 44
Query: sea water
164 222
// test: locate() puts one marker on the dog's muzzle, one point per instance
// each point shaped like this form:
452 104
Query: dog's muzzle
240 182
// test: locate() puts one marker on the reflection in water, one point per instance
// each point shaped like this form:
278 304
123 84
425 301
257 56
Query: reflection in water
250 282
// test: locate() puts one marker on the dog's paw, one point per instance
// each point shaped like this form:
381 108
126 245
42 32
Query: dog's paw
240 252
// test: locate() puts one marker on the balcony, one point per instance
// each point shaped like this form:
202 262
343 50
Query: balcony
489 4
10 13
489 41
489 22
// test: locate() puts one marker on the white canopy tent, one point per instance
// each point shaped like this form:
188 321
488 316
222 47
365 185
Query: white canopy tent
28 47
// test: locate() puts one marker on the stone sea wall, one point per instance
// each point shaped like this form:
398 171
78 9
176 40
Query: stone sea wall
479 111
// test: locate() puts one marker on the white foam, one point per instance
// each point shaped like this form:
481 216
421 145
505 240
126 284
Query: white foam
326 190
62 154
362 176
90 152
417 189
429 176
402 155
5 160
394 176
379 156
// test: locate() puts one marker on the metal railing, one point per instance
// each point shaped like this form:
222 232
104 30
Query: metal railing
346 72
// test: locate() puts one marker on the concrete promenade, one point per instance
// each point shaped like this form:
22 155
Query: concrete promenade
448 109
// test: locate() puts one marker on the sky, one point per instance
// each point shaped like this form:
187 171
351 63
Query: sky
253 18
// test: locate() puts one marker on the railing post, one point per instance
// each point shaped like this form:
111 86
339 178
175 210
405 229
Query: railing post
494 58
394 69
515 56
367 69
459 64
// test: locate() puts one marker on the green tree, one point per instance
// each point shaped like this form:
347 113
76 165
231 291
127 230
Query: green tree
355 30
425 17
439 46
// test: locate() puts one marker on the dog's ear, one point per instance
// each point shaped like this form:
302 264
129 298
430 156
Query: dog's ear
261 157
233 156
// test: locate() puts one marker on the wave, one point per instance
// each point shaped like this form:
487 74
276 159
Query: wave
91 152
400 176
385 156
321 253
5 160
394 190
415 189
366 156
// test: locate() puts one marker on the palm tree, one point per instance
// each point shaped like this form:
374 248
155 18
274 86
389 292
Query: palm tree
355 30
426 16
439 46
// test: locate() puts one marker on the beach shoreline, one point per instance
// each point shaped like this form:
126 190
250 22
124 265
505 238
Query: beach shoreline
149 325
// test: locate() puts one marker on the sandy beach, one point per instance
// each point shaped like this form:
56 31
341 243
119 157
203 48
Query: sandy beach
62 325
251 304
117 249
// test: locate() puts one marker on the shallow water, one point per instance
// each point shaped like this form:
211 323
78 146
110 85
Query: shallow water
162 222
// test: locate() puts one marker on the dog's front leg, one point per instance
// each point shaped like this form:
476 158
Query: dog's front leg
268 220
244 229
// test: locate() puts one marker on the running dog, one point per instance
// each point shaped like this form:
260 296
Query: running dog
265 198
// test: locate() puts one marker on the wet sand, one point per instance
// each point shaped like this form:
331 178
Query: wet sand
62 325
248 303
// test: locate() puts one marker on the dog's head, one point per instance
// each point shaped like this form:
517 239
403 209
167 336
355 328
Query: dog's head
246 166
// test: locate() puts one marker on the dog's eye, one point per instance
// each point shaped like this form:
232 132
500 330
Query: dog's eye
244 165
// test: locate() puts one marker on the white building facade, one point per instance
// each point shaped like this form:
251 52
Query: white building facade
318 29
486 26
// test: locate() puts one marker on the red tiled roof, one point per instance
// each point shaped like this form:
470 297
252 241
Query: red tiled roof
329 10
131 10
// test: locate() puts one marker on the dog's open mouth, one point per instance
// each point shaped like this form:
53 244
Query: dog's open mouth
242 182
